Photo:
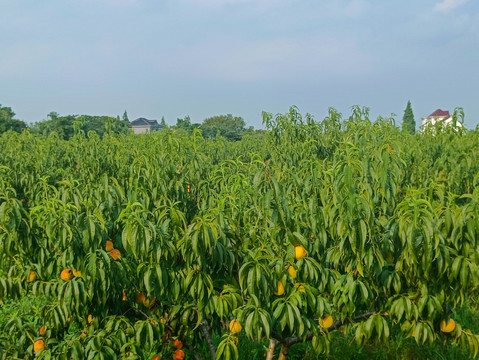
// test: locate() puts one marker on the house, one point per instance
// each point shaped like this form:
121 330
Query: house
439 116
144 126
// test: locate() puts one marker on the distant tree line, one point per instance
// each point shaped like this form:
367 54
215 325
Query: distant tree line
69 125
228 126
65 126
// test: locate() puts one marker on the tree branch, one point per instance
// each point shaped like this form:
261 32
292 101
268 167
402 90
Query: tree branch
272 346
206 333
283 354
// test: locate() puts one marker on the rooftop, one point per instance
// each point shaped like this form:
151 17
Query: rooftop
143 122
440 113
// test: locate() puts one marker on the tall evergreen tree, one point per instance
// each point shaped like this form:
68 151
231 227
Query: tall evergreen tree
163 122
408 122
125 117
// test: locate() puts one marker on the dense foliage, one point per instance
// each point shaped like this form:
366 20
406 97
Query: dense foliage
69 125
229 126
136 241
7 121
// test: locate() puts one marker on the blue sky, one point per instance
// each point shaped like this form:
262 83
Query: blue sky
201 58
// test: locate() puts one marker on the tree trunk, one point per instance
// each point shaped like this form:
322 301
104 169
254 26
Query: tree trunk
272 346
209 340
284 351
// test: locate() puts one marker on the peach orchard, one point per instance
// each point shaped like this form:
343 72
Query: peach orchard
147 247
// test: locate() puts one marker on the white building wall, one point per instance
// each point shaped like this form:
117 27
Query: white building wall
426 121
141 129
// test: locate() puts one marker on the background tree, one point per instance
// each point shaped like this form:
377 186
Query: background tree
408 122
163 122
7 122
228 126
62 125
98 124
125 117
185 124
67 126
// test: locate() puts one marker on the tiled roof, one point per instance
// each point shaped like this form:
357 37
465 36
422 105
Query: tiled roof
439 113
144 122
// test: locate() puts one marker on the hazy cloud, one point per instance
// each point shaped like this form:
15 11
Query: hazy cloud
448 5
283 58
25 59
356 8
218 3
120 2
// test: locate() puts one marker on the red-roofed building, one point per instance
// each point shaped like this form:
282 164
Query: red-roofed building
439 113
438 116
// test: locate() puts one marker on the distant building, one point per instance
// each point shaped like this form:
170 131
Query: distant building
439 116
144 126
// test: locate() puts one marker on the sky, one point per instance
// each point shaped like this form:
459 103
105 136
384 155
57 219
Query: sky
202 58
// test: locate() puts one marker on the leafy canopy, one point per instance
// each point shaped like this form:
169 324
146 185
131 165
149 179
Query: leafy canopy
7 121
229 126
66 126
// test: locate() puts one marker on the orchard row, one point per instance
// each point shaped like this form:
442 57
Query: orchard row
154 246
